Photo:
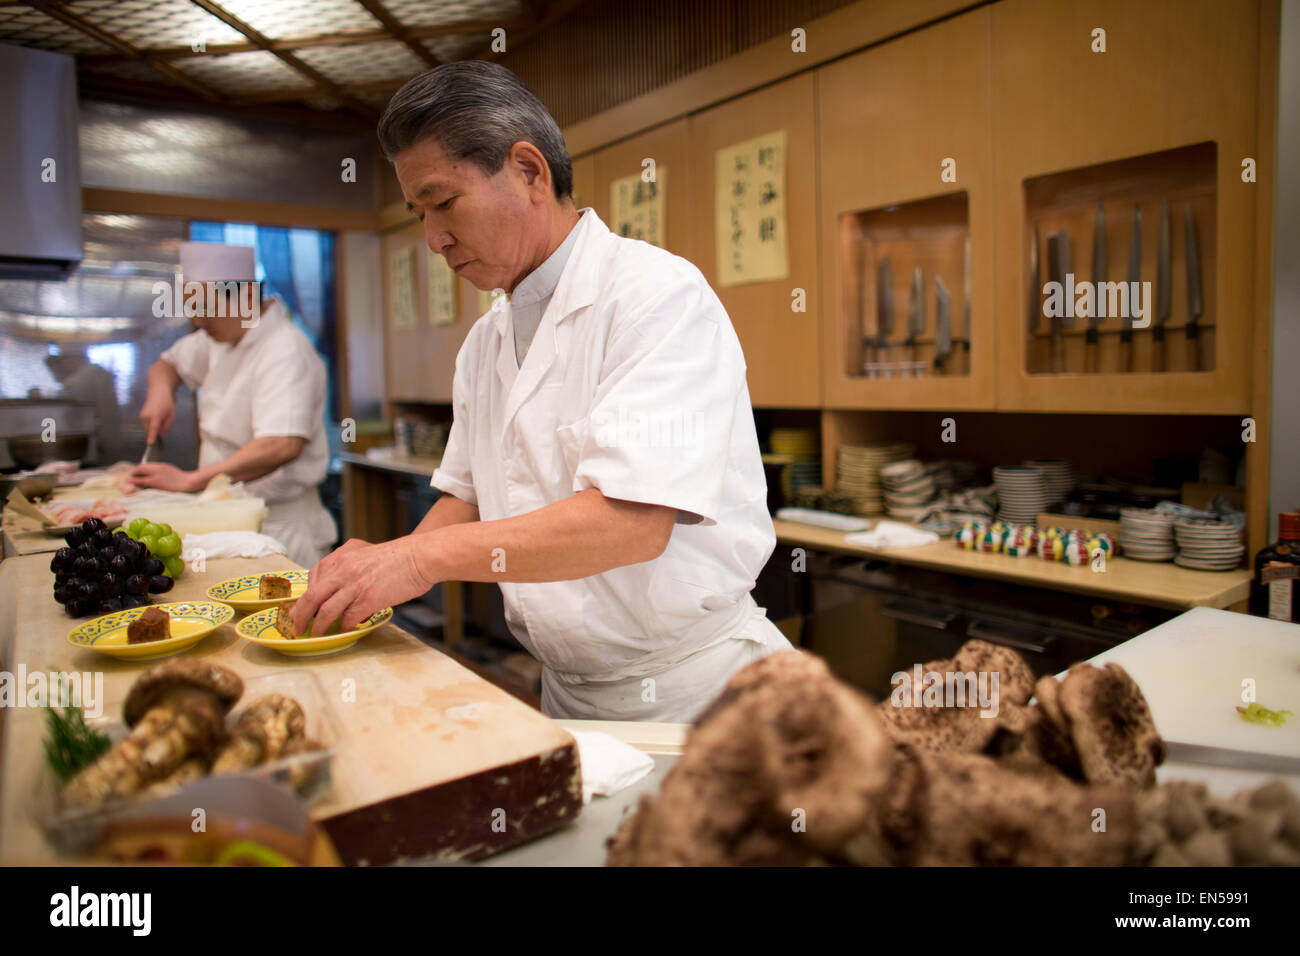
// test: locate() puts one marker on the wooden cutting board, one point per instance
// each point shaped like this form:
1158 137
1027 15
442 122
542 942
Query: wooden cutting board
1191 670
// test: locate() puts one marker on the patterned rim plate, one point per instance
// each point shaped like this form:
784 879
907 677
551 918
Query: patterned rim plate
241 593
194 620
255 627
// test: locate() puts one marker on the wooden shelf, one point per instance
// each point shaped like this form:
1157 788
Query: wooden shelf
1152 584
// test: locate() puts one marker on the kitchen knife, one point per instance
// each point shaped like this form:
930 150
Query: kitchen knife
1195 304
1035 287
868 341
1176 752
942 323
1058 265
1134 279
915 311
1163 254
884 310
1091 341
145 457
965 339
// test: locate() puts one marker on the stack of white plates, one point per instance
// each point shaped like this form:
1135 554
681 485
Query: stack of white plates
1022 494
1208 545
1146 534
858 467
1058 475
909 487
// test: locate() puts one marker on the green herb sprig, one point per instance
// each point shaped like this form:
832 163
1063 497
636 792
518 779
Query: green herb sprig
70 745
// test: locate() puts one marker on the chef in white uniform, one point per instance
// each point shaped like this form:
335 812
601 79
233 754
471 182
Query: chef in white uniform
602 464
261 404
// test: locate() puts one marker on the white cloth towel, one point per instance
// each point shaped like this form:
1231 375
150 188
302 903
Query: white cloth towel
229 544
891 534
608 764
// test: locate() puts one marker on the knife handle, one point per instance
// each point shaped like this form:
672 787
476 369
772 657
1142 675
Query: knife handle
1091 352
1193 348
1126 349
1158 349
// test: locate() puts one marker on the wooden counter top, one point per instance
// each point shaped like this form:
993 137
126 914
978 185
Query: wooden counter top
407 464
427 749
1142 582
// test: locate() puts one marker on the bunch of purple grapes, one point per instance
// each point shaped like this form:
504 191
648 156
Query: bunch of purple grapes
102 571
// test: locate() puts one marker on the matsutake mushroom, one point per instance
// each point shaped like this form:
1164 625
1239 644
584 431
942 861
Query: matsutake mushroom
262 732
175 710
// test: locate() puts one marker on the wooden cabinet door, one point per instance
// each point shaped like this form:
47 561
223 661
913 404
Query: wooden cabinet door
667 145
584 180
782 346
890 121
1174 73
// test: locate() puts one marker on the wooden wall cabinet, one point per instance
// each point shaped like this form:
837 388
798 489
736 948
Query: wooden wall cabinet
782 347
421 361
1175 73
888 118
669 146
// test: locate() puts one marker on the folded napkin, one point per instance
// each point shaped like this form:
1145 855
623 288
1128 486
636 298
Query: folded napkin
891 534
230 544
608 764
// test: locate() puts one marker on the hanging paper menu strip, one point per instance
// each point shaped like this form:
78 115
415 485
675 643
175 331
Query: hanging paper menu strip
639 208
401 287
750 226
442 291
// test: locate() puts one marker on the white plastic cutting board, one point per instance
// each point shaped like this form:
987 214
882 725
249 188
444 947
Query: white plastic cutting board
1191 670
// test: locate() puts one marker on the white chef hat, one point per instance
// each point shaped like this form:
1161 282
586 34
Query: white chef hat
214 262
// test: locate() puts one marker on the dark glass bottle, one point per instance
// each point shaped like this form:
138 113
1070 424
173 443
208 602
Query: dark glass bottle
1275 591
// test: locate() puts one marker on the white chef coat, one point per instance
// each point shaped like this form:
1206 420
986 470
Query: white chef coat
271 383
635 385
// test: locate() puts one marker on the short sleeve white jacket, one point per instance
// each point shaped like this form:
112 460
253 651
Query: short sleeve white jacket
634 385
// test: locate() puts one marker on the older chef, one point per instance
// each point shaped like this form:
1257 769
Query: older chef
261 402
602 464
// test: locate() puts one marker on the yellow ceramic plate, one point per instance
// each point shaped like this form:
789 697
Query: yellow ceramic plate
241 593
260 629
191 622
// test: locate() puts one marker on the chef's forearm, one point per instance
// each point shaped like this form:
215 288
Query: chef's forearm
258 458
163 376
582 535
447 510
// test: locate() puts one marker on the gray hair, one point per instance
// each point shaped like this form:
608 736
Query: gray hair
475 110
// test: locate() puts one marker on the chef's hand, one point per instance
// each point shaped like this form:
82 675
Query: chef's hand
166 477
359 579
157 413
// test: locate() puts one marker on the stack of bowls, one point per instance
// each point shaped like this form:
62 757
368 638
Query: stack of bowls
1022 494
908 486
1058 475
1208 545
857 470
1146 534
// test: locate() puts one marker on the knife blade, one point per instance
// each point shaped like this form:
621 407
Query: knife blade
884 309
1163 268
942 322
1035 287
965 339
1058 266
868 341
915 310
1092 339
1178 752
1195 304
1134 279
147 448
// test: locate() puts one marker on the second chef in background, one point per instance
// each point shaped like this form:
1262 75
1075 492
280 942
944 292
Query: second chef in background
261 402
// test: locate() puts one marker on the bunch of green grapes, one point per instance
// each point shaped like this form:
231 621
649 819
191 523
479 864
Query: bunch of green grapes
161 541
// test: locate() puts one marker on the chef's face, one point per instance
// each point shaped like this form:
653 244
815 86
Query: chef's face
492 230
225 324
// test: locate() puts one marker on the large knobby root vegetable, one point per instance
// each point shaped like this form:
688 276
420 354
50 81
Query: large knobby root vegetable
175 709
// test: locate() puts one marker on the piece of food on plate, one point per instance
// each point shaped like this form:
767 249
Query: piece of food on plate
284 619
271 586
153 624
176 709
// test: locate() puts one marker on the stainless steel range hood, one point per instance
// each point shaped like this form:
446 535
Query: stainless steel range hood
40 193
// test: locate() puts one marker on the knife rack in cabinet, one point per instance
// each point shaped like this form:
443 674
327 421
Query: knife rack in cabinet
904 292
1126 224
